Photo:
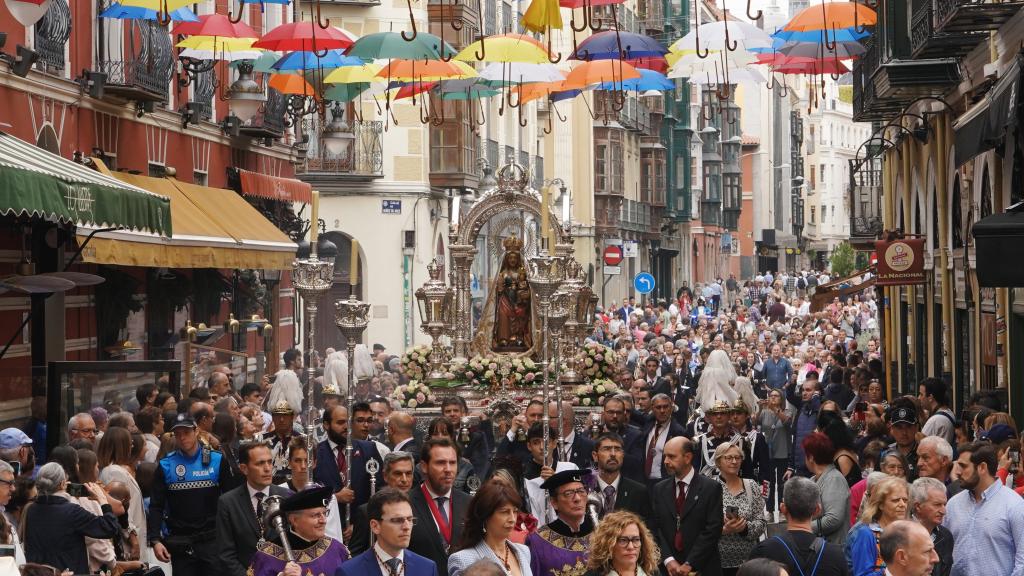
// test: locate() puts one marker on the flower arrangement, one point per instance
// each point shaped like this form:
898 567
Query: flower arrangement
483 372
416 362
596 362
595 394
414 395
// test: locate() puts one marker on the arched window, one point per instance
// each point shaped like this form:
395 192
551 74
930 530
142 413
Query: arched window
956 215
986 194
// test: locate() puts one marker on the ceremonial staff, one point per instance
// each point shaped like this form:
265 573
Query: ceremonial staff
272 507
546 275
351 317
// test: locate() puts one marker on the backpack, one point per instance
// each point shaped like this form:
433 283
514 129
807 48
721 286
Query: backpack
801 283
817 546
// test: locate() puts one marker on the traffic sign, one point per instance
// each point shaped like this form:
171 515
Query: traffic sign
643 283
612 255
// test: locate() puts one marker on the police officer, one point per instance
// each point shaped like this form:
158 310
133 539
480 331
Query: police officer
185 491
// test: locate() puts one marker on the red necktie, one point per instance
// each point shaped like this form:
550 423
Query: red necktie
649 464
680 503
342 465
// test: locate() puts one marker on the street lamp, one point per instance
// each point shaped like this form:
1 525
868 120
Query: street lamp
245 96
546 274
434 299
337 136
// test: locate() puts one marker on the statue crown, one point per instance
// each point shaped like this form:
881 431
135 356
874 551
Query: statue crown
512 244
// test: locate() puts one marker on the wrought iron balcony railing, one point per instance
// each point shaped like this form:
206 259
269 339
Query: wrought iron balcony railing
269 122
141 73
364 157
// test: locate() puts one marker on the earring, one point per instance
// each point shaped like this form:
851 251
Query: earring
485 529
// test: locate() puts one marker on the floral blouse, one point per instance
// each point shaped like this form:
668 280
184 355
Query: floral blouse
735 548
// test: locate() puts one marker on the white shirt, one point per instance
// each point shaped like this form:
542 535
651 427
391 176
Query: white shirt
659 448
401 445
447 505
566 454
383 557
601 484
687 480
252 495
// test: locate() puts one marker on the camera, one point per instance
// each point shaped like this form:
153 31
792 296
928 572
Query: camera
76 490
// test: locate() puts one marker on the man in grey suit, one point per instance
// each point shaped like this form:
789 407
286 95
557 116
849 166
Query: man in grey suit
239 511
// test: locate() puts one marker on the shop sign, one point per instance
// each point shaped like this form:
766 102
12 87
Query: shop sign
900 262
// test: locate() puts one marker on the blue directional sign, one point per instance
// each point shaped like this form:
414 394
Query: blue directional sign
643 283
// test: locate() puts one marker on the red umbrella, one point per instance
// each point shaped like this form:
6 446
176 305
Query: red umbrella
412 89
656 63
778 59
833 67
305 36
215 25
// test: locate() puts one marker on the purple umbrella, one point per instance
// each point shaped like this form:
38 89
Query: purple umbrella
613 44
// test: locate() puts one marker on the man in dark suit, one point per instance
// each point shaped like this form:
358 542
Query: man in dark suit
618 491
402 433
481 436
441 511
398 474
511 444
680 388
615 420
573 447
331 461
656 434
651 378
391 520
239 510
687 516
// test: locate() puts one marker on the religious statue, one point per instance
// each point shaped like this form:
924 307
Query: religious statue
512 304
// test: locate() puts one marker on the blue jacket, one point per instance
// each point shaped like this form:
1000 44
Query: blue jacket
862 550
366 565
185 493
326 471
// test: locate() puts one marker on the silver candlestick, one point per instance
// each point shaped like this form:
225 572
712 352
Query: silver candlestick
351 316
558 313
545 276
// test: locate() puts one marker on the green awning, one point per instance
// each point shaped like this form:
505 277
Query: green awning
37 183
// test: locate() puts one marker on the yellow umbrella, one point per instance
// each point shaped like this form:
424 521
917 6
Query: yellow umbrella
423 71
543 15
354 74
505 48
217 44
158 5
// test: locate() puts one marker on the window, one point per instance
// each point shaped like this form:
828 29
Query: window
824 214
812 214
821 175
200 177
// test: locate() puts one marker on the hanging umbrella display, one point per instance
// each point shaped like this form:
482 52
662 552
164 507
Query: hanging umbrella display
305 36
530 92
613 44
388 45
122 12
214 25
728 35
832 16
421 70
824 50
520 72
505 48
293 84
841 34
599 71
365 73
692 65
648 80
310 60
346 92
217 48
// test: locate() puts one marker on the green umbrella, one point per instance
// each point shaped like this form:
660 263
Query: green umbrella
265 63
391 45
470 94
345 92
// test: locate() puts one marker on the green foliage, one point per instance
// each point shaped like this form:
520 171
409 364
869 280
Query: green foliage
842 260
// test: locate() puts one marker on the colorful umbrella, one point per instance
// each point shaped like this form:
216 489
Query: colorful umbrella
365 73
387 45
306 36
613 44
226 55
291 84
159 6
345 92
217 48
420 70
505 48
648 80
215 25
731 35
520 72
832 15
542 16
841 35
599 71
836 50
310 60
120 11
528 92
815 67
656 63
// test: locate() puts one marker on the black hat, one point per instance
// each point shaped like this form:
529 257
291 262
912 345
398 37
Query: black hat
903 415
307 499
559 479
183 421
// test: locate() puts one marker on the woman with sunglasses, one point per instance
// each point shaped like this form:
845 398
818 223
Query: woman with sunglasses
490 521
622 546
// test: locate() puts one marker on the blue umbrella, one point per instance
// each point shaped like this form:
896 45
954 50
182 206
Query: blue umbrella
648 80
610 45
300 60
817 36
565 95
117 10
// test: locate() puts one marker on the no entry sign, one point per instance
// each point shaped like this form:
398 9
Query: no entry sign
612 255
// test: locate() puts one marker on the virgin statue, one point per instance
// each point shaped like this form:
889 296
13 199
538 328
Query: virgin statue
512 306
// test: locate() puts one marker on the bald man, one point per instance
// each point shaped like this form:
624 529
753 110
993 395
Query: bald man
907 549
401 433
574 447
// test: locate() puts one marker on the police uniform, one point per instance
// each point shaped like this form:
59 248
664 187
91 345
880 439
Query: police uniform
184 499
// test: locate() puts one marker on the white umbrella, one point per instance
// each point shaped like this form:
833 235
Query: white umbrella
521 72
712 36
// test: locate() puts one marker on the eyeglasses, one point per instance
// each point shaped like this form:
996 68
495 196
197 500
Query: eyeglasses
732 458
319 515
399 521
7 482
627 541
581 492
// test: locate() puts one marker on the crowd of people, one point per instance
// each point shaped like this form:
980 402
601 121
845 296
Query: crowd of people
731 418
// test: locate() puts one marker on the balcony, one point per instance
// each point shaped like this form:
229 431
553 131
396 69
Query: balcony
607 210
731 219
453 148
883 86
636 217
142 74
930 40
865 194
51 36
269 121
442 13
363 161
711 212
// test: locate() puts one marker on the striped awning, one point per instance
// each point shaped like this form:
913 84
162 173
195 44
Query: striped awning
38 184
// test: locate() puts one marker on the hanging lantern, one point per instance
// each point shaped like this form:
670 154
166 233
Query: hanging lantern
245 95
27 12
337 136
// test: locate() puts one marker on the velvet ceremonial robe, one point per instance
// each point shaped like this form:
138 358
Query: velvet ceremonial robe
320 558
555 550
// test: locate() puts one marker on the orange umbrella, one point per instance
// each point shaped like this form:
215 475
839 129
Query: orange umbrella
832 16
535 90
291 84
419 70
598 71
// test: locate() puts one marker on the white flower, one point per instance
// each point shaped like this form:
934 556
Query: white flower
412 403
586 402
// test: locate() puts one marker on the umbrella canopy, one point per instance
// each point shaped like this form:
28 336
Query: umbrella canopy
565 95
306 36
656 63
734 76
521 72
345 92
227 56
842 51
691 66
648 80
217 48
829 15
712 36
421 70
387 45
505 48
160 6
365 73
310 60
528 92
291 84
474 93
600 71
412 89
612 44
265 62
814 67
123 12
215 25
841 35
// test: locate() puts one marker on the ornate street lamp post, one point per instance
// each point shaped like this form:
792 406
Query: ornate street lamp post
434 299
546 274
574 282
558 313
351 316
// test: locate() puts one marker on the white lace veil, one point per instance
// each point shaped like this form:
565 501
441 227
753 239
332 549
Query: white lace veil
745 391
336 371
716 381
364 368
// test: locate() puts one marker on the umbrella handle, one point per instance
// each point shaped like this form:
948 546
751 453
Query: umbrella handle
557 112
583 26
696 32
590 110
424 119
519 101
770 84
163 15
751 16
440 49
618 100
549 127
323 23
231 15
824 28
480 17
856 25
595 24
454 19
551 59
522 121
483 115
730 46
412 21
785 90
438 119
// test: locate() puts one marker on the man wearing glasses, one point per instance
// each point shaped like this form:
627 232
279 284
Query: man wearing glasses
391 521
565 541
82 426
313 551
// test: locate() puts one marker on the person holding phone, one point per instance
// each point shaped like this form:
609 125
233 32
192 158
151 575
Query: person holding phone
742 506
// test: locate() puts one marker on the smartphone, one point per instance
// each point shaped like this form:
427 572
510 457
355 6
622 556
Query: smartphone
732 512
76 490
1015 457
861 407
